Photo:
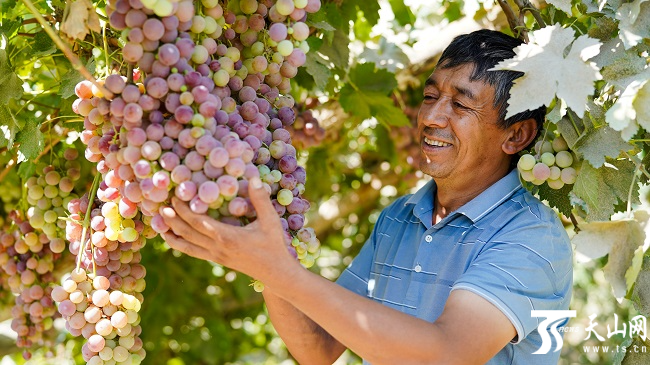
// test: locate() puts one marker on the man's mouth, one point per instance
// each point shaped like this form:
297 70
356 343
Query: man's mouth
436 143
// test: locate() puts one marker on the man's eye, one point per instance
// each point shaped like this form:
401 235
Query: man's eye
459 105
430 97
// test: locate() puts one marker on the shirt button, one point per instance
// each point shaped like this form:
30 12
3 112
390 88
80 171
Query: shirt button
428 238
418 268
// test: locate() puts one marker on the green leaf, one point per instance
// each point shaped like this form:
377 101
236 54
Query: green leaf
633 271
9 27
403 14
26 170
30 139
354 102
318 172
624 69
601 188
641 293
598 143
367 104
71 78
638 357
634 22
43 45
316 66
388 55
557 112
370 10
385 144
620 240
8 127
367 77
322 25
337 51
11 87
558 199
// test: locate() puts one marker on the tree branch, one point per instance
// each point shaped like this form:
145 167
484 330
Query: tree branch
76 62
515 23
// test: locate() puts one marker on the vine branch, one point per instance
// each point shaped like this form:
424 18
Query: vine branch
76 62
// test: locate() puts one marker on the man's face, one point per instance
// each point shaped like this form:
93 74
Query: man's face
457 124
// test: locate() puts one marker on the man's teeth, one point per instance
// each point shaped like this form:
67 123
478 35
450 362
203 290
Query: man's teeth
435 143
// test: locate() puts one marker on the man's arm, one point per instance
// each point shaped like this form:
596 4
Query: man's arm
308 342
376 332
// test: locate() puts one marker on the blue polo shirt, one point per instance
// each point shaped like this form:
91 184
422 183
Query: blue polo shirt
504 245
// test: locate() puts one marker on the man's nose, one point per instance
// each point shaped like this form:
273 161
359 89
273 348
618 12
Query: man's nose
436 114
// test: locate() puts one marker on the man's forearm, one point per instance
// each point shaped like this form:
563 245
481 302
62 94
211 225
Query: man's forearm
307 341
377 333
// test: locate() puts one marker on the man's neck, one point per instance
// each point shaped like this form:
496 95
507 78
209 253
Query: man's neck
452 195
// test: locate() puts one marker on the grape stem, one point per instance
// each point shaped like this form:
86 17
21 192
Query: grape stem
86 222
76 62
629 193
638 164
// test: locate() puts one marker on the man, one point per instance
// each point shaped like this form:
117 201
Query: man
450 273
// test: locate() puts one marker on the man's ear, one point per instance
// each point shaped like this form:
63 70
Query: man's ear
520 135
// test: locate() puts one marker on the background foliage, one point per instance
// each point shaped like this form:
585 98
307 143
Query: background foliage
362 81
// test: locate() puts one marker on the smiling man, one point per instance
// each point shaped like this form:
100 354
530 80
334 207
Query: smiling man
451 273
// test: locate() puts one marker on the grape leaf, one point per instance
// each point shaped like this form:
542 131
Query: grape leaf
641 293
597 143
624 69
619 239
26 170
548 72
43 45
81 19
337 51
558 199
367 77
316 66
387 55
370 9
10 84
403 14
318 170
601 188
632 272
8 127
564 5
623 117
71 78
635 354
634 22
603 28
30 139
322 25
367 104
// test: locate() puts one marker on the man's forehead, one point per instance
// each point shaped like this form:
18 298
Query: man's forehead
459 78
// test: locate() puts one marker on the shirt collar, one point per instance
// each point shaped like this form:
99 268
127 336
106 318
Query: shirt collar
475 209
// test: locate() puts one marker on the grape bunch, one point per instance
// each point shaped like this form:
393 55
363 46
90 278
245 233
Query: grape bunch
306 132
27 261
107 319
552 163
48 193
103 306
209 115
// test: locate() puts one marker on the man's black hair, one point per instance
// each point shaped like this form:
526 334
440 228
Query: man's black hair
484 49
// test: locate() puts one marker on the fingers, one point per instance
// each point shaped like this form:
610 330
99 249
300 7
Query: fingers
186 247
182 228
198 222
259 196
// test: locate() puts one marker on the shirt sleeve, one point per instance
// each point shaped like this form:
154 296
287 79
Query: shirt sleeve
529 267
357 275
